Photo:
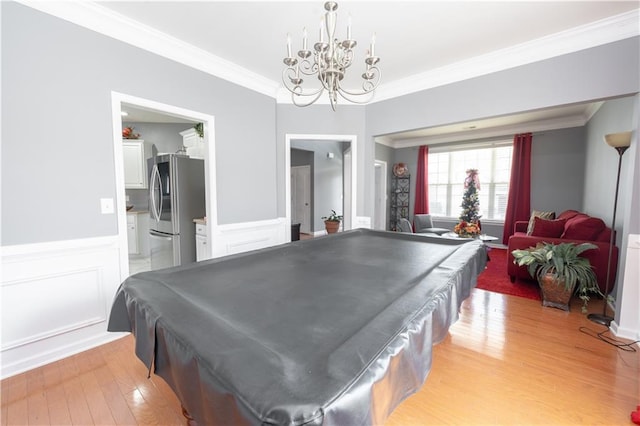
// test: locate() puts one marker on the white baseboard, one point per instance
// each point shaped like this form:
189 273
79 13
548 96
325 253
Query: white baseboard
625 333
56 299
627 324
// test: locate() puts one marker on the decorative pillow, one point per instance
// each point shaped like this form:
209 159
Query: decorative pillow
605 236
568 214
575 219
586 229
547 228
536 213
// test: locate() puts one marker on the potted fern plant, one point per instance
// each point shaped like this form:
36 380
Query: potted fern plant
560 272
332 222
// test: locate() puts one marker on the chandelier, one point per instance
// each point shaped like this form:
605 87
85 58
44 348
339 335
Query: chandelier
328 61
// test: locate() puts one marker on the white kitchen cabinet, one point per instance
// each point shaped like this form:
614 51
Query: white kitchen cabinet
135 154
138 233
202 248
132 233
193 143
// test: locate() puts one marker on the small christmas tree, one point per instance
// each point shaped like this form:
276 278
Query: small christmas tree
470 202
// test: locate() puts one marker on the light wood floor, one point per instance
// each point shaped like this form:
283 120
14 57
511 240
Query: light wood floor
507 360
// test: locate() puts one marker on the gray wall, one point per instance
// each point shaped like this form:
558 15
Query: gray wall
576 77
632 212
600 174
57 141
602 161
557 169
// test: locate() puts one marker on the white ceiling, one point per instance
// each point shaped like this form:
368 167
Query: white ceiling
413 38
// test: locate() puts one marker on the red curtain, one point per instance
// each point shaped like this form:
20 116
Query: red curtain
421 205
519 200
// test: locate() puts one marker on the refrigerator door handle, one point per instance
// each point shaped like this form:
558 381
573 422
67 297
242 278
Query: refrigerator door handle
152 197
160 235
155 177
161 194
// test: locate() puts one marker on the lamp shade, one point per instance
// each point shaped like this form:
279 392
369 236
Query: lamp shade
618 140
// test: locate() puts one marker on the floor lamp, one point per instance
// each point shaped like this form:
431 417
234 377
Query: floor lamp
619 141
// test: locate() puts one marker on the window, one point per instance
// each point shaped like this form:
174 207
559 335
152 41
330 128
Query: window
447 171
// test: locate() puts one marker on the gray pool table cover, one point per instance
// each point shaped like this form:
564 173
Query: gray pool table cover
337 330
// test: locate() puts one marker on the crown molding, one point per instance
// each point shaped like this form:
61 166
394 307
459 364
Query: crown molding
615 28
100 19
591 110
385 140
499 131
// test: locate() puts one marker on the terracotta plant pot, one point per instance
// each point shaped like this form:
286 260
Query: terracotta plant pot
554 292
331 226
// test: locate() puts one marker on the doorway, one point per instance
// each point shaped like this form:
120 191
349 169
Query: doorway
117 102
349 202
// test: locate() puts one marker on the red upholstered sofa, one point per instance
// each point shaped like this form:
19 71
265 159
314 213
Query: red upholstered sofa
569 226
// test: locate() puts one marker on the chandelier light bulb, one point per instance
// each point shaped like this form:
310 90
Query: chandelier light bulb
373 44
304 38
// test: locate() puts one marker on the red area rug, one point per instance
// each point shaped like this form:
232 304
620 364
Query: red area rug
496 279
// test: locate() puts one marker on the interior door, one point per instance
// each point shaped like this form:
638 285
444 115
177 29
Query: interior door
301 197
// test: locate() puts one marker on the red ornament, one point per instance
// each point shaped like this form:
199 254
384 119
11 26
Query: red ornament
635 415
127 133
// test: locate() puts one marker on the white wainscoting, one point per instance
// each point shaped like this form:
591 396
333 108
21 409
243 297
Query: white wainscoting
56 299
628 325
241 237
362 222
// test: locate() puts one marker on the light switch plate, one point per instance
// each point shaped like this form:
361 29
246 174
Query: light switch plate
106 205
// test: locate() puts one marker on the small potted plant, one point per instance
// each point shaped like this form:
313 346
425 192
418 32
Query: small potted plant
560 272
332 222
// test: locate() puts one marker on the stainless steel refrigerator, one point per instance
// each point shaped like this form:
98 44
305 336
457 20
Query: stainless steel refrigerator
176 197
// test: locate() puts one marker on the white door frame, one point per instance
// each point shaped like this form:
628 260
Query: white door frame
347 223
382 191
353 139
211 206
